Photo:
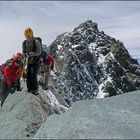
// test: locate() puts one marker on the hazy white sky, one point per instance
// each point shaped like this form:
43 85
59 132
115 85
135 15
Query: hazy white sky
119 19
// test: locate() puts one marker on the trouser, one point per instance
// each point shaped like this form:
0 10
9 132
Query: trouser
18 84
44 71
32 82
47 75
3 91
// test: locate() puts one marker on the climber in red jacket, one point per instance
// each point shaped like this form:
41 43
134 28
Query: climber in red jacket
49 60
47 64
11 80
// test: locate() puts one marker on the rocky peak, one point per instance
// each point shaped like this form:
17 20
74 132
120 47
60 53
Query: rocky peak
91 64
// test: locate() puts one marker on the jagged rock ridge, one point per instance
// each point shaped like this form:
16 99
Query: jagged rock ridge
92 64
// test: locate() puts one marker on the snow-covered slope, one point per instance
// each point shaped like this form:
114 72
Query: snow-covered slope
91 64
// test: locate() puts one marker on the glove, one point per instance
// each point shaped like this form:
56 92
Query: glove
25 55
52 67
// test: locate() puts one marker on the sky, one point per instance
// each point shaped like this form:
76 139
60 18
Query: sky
48 19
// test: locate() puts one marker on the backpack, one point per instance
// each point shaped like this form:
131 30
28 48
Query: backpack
7 63
43 48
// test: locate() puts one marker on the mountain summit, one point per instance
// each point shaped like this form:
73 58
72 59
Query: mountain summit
91 64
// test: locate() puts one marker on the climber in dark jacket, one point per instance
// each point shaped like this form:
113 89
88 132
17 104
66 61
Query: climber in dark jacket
31 47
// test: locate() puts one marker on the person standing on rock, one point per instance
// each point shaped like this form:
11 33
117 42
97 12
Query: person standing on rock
31 48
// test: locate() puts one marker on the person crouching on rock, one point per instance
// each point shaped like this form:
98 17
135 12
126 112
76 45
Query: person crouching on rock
47 64
11 81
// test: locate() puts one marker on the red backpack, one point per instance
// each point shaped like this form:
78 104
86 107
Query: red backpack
7 63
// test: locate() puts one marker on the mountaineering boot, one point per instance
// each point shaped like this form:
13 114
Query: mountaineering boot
45 87
29 90
35 92
19 88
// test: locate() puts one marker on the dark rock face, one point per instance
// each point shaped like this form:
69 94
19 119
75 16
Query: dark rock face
92 64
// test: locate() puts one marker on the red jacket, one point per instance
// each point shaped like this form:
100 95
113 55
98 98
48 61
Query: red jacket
10 73
49 61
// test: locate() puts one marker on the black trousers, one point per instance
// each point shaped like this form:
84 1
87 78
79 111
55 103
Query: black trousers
32 82
4 91
18 84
